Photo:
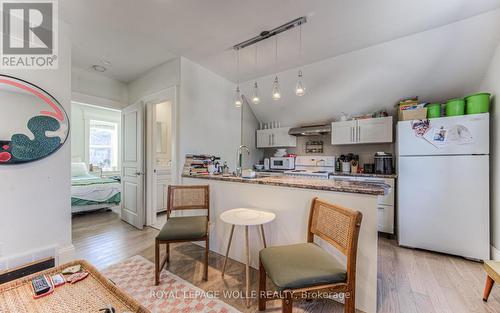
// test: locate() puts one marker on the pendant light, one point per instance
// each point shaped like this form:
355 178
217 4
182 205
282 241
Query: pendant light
237 96
276 84
255 95
300 88
276 89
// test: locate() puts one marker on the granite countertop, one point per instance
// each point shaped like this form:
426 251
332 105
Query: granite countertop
366 175
305 183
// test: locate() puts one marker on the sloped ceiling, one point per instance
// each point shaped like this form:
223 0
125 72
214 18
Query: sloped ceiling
139 35
438 64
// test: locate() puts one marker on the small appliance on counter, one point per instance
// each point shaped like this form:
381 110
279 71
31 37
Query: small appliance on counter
383 163
282 163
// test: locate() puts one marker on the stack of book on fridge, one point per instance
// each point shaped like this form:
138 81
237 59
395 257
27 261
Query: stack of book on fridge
410 109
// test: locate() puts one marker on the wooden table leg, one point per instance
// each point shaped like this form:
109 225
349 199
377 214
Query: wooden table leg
247 267
227 251
263 236
487 288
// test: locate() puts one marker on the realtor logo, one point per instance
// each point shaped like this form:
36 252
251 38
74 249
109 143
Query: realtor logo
29 30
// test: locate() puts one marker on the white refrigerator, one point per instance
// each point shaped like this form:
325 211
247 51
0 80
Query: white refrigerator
443 186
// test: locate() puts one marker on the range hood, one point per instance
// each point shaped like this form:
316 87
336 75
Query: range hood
311 130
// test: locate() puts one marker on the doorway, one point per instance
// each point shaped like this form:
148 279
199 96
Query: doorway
159 160
150 144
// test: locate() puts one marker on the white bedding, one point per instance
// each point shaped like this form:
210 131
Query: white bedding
94 192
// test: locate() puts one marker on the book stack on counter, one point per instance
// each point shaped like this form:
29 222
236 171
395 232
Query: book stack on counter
198 164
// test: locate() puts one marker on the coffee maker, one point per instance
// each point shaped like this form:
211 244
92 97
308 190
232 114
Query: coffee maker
383 163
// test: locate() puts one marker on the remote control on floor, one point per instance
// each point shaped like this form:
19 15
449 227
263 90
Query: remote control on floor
40 285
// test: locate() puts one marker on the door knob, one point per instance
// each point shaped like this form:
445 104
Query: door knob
138 173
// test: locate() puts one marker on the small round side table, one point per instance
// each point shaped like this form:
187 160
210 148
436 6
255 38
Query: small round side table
246 217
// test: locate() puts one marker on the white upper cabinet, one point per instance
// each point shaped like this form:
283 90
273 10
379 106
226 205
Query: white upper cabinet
275 137
264 138
373 130
343 133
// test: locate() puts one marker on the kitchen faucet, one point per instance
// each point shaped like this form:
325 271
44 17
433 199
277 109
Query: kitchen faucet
239 160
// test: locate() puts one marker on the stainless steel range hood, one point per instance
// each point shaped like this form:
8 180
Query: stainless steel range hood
312 130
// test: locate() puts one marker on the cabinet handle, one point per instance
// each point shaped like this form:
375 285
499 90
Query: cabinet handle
269 139
352 134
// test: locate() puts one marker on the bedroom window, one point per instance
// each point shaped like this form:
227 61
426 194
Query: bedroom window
103 145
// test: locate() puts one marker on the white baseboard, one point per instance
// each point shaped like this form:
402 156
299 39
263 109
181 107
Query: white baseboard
495 254
65 254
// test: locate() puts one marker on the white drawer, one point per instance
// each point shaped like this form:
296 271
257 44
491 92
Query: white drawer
387 199
385 216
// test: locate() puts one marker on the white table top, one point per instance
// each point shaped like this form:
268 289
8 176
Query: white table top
247 217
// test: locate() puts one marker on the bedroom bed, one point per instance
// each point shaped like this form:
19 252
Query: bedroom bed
89 193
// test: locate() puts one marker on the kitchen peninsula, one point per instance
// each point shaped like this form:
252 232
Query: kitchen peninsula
290 199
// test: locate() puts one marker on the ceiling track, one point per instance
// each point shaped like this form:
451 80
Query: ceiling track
269 33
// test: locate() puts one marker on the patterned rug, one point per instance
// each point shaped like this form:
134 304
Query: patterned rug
136 276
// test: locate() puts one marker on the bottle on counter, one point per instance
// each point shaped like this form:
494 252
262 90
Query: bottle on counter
225 168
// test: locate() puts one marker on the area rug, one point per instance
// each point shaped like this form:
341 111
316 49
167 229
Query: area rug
136 277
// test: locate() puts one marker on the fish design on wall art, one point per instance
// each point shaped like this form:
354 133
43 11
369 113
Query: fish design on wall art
33 124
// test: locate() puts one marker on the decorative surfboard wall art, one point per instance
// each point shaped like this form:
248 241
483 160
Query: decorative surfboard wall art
33 124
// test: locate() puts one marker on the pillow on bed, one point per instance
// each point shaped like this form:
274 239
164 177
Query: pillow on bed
79 169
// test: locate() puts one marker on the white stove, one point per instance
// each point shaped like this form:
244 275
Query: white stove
313 166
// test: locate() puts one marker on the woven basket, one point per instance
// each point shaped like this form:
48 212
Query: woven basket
89 295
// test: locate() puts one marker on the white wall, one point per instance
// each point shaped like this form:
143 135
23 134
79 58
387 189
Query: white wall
157 79
36 208
491 83
208 120
249 126
436 65
79 113
92 88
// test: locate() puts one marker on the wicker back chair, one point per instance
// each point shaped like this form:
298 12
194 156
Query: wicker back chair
185 228
338 226
188 198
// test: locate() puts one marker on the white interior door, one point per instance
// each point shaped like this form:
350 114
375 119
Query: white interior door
132 210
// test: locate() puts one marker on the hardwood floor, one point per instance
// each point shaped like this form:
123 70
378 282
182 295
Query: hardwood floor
409 281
